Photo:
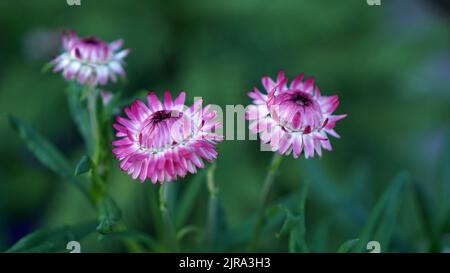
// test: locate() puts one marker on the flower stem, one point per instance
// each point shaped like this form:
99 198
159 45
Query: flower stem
170 236
97 185
268 182
93 118
98 172
212 221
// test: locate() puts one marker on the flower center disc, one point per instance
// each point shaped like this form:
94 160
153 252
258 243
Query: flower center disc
299 111
302 100
157 131
91 41
91 49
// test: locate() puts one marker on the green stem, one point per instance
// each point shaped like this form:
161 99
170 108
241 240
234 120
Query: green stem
93 118
97 185
302 213
98 177
268 182
170 235
212 187
155 214
212 207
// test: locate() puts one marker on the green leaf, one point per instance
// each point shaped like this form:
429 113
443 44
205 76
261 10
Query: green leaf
133 235
321 235
289 224
349 212
185 231
45 151
427 209
46 67
52 239
241 234
382 220
189 197
109 215
84 165
443 214
348 245
295 225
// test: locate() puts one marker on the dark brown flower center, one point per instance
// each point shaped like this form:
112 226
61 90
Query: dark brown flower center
91 41
298 111
159 129
163 115
302 99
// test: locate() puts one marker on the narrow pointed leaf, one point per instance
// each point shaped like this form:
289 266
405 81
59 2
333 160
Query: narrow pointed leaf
83 166
295 224
52 239
321 236
427 209
45 152
289 224
382 220
348 246
185 231
133 235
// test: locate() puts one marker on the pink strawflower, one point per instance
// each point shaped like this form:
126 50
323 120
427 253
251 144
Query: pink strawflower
162 141
90 60
293 118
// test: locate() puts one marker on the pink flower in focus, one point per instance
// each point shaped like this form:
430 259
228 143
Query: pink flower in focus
90 60
162 141
293 118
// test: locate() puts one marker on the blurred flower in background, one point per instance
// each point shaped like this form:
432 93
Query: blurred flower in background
90 59
107 96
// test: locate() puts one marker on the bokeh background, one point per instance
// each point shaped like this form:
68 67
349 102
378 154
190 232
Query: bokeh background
389 64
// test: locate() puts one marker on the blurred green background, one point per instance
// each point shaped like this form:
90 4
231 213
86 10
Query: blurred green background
389 64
